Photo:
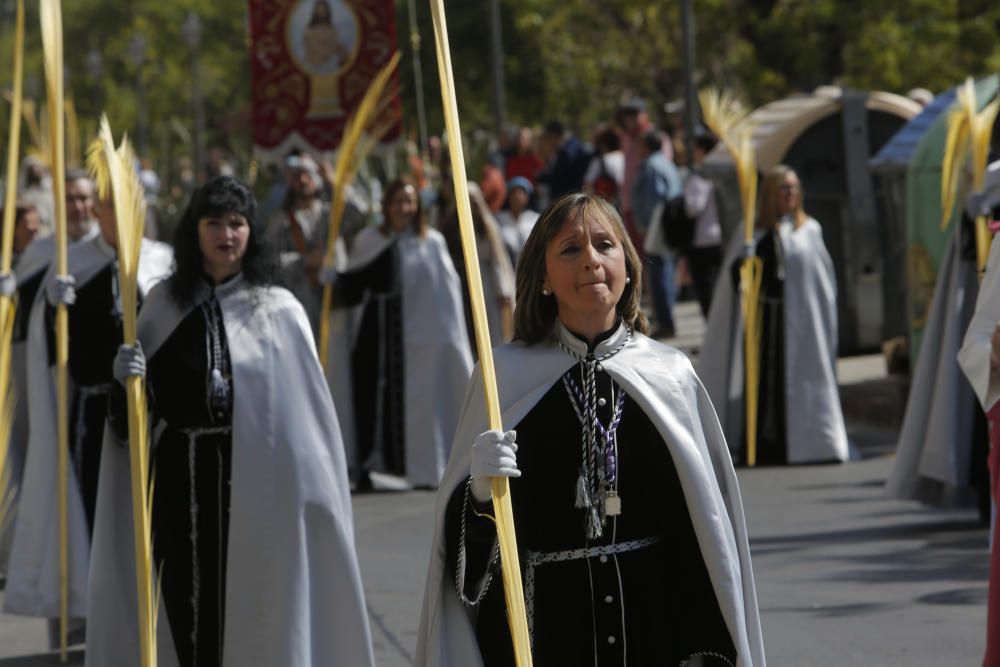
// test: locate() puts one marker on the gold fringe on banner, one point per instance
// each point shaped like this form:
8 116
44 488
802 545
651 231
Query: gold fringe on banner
502 508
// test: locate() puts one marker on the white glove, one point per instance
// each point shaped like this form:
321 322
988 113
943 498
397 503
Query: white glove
8 284
61 290
327 275
129 362
493 455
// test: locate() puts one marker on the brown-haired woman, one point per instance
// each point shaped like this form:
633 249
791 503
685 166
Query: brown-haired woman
410 355
627 509
799 415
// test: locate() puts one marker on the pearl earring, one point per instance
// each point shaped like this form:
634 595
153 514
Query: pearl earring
546 291
628 279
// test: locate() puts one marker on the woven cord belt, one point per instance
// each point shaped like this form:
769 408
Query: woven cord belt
535 558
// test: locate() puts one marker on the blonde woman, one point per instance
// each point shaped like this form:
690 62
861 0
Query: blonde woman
799 414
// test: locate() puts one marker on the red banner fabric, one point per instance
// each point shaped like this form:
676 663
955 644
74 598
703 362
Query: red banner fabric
311 62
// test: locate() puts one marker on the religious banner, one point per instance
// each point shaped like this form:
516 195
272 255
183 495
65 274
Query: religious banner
311 62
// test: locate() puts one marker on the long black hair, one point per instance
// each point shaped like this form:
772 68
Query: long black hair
221 195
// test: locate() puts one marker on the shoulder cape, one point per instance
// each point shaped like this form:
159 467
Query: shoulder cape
662 382
293 587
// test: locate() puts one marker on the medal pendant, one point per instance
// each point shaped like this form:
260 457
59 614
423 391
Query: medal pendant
613 504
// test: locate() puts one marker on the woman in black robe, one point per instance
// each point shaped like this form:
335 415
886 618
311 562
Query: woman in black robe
190 394
613 570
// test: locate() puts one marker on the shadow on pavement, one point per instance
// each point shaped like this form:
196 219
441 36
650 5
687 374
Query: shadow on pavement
43 660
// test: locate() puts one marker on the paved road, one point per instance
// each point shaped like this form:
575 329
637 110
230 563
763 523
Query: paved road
845 576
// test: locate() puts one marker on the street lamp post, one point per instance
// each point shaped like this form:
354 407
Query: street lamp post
137 53
191 30
690 96
95 68
496 57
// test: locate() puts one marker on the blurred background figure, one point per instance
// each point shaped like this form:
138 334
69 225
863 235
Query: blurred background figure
518 219
705 254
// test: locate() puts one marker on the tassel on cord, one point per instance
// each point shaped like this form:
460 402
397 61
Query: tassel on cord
220 390
582 495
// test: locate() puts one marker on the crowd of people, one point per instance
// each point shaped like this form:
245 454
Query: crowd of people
621 457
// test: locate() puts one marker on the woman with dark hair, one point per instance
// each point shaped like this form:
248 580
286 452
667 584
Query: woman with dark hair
410 354
799 418
251 511
627 509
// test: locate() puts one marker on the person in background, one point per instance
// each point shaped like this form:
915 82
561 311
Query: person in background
799 417
606 173
522 160
566 159
493 185
634 122
657 182
705 254
517 220
410 355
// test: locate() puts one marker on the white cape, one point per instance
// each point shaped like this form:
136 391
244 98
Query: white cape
661 380
815 428
33 576
974 357
933 457
293 587
437 358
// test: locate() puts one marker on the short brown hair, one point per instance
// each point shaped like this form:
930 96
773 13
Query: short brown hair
419 223
535 313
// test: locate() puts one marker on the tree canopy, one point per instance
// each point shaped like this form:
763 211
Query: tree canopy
567 59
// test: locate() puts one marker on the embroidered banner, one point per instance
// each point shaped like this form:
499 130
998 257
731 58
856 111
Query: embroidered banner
310 64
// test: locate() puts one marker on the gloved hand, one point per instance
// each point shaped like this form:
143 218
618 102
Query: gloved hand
976 204
8 284
327 275
129 362
493 455
61 290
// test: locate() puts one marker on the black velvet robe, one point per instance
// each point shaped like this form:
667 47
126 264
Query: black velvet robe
651 606
95 332
191 490
772 442
377 369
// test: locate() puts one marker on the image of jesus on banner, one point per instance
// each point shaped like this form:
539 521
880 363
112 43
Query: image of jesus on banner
322 37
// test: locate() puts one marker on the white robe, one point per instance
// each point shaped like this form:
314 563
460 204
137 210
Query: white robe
815 428
933 457
663 383
294 596
974 356
437 358
33 576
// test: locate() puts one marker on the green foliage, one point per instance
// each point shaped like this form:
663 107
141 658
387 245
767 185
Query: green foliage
567 59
